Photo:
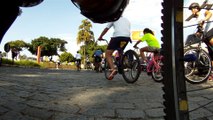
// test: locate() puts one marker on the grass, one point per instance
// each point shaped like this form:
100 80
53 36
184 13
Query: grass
30 63
25 63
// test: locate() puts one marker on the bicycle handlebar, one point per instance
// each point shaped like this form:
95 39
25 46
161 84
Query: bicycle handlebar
102 40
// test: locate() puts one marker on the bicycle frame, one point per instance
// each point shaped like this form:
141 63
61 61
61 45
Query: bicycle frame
153 61
118 60
153 66
127 63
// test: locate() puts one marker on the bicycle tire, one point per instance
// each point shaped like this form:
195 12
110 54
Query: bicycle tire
157 73
130 66
106 69
198 71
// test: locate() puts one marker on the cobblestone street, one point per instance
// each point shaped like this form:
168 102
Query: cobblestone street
44 94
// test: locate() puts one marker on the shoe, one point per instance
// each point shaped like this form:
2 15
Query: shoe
112 74
210 77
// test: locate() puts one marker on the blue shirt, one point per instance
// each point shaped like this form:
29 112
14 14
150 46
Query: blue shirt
98 53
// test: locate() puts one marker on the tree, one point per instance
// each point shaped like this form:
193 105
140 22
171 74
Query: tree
49 47
18 45
85 36
66 57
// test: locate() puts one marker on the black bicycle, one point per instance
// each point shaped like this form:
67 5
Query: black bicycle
127 64
197 62
78 65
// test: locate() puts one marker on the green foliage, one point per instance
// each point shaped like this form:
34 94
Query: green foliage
85 34
18 45
91 48
49 47
66 57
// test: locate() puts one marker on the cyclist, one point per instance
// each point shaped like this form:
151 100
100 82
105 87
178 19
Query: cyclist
120 39
78 60
152 42
204 19
97 59
88 64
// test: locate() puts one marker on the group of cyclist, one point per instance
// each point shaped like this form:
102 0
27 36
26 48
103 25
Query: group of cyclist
121 37
97 60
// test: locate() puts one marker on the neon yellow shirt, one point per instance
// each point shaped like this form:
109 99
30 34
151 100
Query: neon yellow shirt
151 40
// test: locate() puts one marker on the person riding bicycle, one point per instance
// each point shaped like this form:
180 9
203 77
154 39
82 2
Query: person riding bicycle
152 42
205 21
97 59
119 40
78 59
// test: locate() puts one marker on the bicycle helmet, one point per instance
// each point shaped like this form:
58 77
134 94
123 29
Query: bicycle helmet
194 5
101 11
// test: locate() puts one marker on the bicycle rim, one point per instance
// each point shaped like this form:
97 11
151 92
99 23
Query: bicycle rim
131 66
197 71
157 72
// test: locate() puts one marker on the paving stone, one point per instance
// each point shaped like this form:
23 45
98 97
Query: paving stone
37 113
155 113
129 113
100 112
3 110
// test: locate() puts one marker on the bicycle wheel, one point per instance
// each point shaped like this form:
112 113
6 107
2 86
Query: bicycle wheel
157 71
131 66
197 71
107 71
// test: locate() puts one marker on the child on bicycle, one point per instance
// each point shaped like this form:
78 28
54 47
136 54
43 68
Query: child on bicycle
204 19
120 39
152 42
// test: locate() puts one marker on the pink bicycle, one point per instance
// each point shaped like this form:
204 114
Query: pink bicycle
154 65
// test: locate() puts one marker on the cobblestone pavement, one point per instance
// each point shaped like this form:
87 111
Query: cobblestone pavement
44 94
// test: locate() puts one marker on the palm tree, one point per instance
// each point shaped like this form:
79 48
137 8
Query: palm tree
85 35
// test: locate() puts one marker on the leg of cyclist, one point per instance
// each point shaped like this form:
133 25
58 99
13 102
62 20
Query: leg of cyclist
211 56
114 44
209 42
142 50
111 64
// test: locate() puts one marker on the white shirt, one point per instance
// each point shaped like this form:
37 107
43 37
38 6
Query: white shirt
121 27
194 21
207 26
78 56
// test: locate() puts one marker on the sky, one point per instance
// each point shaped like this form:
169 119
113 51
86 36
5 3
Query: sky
61 19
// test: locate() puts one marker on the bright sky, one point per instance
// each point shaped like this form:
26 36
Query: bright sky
61 19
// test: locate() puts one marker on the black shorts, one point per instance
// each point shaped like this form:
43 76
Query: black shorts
210 53
78 61
209 35
118 42
98 59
